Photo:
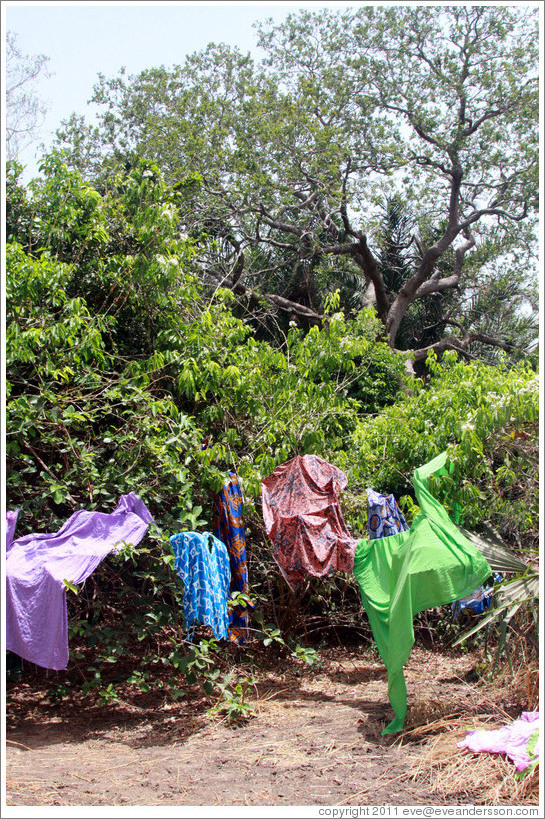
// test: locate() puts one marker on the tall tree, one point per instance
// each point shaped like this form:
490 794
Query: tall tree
24 110
292 159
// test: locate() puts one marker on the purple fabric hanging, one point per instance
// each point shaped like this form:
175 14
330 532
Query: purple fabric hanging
11 523
37 565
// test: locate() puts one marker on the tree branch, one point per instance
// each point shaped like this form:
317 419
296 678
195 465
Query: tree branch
279 301
436 285
461 345
283 226
494 212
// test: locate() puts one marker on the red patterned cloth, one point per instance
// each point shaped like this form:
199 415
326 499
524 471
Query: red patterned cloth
304 521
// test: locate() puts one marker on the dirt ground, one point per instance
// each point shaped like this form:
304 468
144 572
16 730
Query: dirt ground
314 740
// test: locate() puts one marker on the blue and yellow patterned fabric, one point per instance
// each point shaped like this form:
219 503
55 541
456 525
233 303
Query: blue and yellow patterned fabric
228 526
384 517
477 602
202 562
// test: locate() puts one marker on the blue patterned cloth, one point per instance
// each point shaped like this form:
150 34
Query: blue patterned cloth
202 562
477 602
384 517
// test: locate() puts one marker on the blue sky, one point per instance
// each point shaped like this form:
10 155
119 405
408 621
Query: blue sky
83 38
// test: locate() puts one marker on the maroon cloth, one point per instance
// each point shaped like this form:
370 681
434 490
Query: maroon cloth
304 521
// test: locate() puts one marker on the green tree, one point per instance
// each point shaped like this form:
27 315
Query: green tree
86 419
487 417
292 158
119 364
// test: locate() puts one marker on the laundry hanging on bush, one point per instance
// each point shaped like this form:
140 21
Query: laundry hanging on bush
38 564
11 523
429 565
228 526
304 521
475 603
202 563
384 517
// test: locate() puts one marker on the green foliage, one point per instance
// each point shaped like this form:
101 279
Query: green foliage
270 635
229 690
119 364
131 600
308 655
87 423
232 700
199 661
487 418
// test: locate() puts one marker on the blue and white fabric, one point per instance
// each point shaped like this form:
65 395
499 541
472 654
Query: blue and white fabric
477 602
202 563
384 517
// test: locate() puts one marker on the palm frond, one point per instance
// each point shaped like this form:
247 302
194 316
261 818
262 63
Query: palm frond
510 594
499 557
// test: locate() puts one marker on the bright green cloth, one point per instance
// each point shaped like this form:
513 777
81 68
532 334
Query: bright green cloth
430 565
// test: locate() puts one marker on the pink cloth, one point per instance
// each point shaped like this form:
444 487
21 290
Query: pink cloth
304 521
511 740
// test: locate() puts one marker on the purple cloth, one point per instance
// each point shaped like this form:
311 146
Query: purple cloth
11 523
37 565
134 503
511 740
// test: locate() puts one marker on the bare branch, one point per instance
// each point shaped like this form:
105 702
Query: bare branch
478 214
461 345
436 285
282 303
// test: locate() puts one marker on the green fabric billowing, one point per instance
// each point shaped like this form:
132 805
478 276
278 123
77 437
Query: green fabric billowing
429 565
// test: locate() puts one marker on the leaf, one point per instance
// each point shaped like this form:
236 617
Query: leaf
208 686
523 588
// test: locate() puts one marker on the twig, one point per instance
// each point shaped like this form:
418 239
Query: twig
82 777
12 742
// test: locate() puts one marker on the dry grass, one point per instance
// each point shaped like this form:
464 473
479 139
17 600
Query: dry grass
449 770
517 687
436 725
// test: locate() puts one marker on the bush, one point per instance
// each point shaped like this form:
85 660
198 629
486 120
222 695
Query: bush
486 416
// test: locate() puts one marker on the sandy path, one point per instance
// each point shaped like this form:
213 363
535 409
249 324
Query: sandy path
314 741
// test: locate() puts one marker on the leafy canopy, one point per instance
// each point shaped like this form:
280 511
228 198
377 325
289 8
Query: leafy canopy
292 161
